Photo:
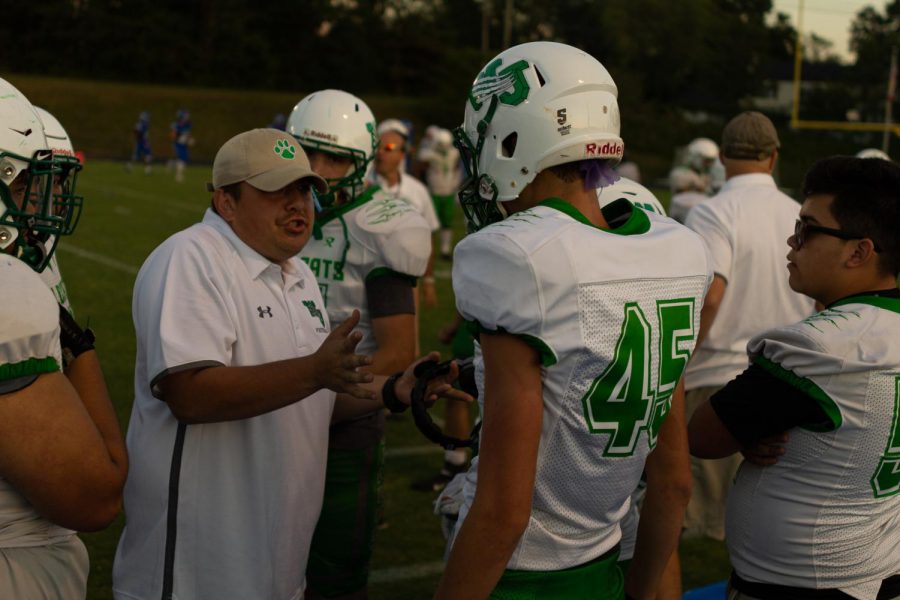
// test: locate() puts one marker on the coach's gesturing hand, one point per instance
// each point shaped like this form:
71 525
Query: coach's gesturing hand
337 364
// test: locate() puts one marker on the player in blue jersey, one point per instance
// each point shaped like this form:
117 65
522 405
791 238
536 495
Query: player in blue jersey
183 140
142 152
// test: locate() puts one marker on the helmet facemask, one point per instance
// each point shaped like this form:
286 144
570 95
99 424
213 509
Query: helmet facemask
354 182
478 192
37 205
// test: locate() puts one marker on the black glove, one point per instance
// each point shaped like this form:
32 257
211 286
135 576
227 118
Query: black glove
72 338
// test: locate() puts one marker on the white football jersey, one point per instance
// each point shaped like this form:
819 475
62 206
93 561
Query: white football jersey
614 314
443 175
53 278
827 515
29 346
375 233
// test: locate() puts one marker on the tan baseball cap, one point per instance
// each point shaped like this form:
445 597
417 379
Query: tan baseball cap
749 136
267 159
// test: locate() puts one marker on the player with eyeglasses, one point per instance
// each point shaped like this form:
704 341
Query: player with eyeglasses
819 406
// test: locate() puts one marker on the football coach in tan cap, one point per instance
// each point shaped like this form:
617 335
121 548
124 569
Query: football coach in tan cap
235 382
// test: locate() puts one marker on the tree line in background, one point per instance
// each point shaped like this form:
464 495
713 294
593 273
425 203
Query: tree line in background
668 59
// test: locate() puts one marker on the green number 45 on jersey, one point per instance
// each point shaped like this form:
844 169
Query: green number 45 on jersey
623 401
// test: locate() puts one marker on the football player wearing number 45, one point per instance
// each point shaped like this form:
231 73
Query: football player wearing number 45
586 320
824 521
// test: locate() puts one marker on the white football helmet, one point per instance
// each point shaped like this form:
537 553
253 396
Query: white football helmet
872 153
702 153
32 214
632 191
56 134
534 106
338 123
442 139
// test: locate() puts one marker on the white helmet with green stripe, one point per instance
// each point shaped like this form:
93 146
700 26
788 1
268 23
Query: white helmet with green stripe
337 123
33 214
534 106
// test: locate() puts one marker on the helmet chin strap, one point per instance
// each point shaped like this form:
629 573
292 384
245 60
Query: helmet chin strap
33 251
501 209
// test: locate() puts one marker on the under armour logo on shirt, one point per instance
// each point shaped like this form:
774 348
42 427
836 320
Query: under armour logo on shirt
264 312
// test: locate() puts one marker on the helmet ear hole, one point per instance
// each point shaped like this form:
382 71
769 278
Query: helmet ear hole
540 76
508 145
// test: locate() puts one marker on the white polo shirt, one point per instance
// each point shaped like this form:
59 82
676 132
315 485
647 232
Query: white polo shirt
221 510
682 203
745 227
415 194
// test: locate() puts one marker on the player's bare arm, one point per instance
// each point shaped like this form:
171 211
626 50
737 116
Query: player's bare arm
395 336
349 407
668 471
54 454
84 373
228 393
510 436
708 436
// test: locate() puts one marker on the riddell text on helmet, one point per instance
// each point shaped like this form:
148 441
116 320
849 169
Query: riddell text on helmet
605 150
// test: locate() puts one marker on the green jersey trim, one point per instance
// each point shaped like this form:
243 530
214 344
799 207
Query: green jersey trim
810 389
31 366
891 304
548 357
382 271
638 222
329 214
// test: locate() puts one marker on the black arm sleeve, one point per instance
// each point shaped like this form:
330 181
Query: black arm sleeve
390 294
756 404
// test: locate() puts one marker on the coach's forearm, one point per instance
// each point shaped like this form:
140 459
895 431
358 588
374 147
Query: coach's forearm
348 407
213 394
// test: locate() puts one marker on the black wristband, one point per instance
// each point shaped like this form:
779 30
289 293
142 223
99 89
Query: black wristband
73 340
389 396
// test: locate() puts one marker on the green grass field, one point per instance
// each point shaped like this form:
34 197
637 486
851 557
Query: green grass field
126 216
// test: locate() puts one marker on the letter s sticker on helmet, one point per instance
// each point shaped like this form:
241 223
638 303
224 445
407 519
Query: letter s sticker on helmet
490 82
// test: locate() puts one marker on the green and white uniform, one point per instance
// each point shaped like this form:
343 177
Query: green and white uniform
443 177
53 278
38 559
640 196
614 314
827 515
376 234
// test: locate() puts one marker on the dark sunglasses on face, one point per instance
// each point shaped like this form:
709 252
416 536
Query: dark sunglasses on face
802 230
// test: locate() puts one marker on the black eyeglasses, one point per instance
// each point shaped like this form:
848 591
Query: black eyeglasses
802 229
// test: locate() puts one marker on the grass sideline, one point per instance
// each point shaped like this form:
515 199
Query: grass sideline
105 129
126 216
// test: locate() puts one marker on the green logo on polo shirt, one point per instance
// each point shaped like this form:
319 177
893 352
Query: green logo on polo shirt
285 149
314 311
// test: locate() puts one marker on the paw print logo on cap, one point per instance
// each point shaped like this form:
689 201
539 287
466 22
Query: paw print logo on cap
284 149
